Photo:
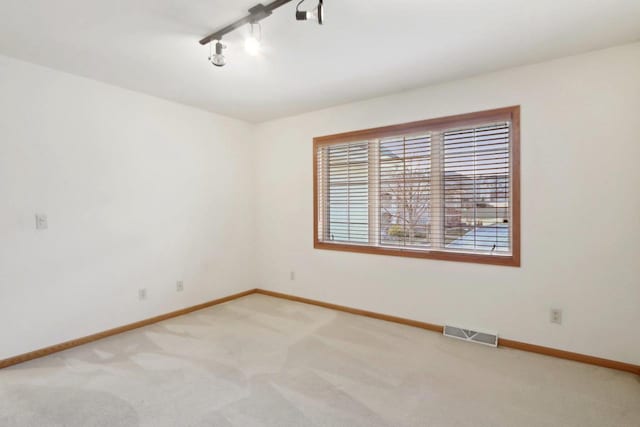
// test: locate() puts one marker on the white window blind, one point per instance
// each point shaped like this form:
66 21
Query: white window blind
445 190
347 193
476 188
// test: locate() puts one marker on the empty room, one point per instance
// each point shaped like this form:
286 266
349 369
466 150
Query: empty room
319 213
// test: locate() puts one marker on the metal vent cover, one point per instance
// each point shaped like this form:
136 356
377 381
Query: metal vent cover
485 338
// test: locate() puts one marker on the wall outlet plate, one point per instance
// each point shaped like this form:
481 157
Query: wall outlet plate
556 316
180 286
142 294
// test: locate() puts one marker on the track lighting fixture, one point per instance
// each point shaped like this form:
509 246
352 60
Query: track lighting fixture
252 43
217 59
306 15
256 14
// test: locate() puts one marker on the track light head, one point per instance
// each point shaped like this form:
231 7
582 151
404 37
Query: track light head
218 59
252 43
315 14
252 46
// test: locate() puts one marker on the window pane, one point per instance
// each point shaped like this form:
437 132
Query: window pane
348 193
476 189
405 166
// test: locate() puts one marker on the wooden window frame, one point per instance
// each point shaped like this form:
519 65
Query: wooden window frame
511 114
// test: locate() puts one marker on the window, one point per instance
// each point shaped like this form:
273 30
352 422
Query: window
444 188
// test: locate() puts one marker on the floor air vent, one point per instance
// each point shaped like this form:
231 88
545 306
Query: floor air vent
473 336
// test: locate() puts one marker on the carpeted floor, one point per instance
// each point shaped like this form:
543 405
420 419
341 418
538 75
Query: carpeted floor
261 361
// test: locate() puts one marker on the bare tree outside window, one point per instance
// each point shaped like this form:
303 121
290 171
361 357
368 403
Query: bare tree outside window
405 191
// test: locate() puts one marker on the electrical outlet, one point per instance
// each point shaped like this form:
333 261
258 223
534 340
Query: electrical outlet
41 222
556 316
292 275
179 286
142 294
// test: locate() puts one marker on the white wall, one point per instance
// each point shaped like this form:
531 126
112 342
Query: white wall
580 210
139 192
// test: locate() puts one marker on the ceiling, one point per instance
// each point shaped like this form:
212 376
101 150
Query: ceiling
367 47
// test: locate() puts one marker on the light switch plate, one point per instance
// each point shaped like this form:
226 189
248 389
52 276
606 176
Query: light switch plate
41 222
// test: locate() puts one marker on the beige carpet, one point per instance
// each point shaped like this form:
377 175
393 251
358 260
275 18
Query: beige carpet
260 361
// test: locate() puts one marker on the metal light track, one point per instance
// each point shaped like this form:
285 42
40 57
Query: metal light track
256 13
